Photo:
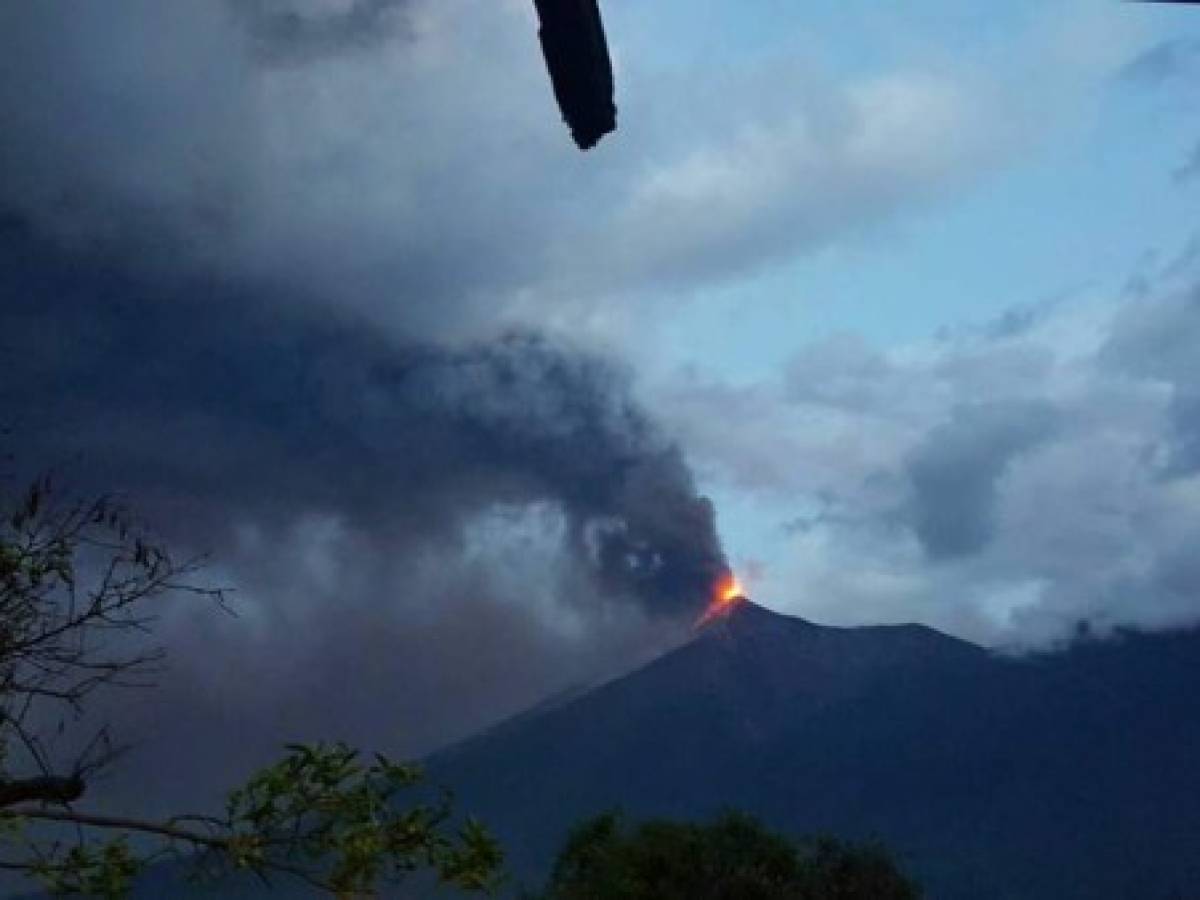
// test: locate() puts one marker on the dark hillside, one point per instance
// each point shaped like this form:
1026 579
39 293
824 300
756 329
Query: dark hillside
1062 775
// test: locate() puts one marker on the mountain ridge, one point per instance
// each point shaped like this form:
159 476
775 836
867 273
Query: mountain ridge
739 635
977 768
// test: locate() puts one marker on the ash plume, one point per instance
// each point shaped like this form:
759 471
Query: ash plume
235 407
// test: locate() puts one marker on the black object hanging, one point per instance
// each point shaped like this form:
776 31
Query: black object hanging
576 52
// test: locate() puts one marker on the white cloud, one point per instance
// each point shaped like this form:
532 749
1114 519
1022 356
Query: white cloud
427 180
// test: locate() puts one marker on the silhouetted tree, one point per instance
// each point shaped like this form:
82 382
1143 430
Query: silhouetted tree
732 858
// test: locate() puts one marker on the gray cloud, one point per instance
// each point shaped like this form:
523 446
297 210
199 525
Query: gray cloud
1162 62
241 408
452 529
131 120
1001 483
955 470
1157 340
197 252
400 180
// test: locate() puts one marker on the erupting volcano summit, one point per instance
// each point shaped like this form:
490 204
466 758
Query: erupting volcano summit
727 595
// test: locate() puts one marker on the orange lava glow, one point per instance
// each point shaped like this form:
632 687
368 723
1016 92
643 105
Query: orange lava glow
727 594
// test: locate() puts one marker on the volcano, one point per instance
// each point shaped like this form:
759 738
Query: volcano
1065 775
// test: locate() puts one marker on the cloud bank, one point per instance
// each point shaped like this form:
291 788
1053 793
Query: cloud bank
407 158
1004 482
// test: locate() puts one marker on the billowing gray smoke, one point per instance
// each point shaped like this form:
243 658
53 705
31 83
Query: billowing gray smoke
452 531
232 406
283 33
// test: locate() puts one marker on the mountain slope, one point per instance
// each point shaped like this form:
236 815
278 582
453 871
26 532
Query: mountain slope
1067 775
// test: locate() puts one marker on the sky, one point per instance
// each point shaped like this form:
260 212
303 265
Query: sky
896 306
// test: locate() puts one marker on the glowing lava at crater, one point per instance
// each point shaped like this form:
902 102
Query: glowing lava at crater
727 594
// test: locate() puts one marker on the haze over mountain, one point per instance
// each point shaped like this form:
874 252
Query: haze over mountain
1069 774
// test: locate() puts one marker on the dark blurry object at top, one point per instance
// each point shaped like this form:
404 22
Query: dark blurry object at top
576 53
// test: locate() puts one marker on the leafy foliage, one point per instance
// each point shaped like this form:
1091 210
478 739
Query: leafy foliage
77 587
733 858
99 869
77 581
321 814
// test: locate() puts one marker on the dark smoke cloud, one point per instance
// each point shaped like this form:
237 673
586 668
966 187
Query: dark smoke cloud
202 206
422 537
243 408
370 151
